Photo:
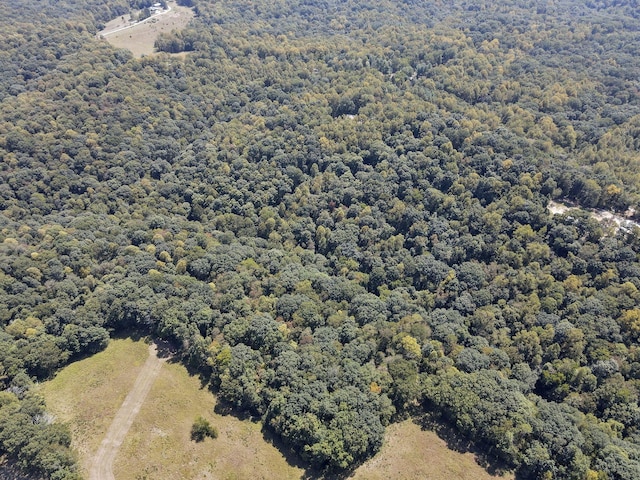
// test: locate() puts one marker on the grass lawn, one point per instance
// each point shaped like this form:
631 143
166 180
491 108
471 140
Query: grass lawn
88 393
410 453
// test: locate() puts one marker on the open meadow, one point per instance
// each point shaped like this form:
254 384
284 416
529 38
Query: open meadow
410 452
88 393
140 37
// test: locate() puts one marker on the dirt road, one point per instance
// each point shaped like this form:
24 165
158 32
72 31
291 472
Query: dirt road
102 468
106 32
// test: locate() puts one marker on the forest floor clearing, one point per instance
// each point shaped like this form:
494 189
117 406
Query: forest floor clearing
140 37
88 394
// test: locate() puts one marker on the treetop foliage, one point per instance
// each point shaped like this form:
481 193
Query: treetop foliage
337 212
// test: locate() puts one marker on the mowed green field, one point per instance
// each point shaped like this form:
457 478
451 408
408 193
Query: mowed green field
88 393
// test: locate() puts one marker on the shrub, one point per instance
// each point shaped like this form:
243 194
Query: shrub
201 429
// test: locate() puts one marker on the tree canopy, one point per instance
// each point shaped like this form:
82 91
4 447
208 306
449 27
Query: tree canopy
337 212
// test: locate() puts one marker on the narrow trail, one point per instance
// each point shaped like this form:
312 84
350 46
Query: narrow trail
102 468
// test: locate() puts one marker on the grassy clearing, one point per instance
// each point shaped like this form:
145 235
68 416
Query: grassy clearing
141 37
410 452
88 393
159 444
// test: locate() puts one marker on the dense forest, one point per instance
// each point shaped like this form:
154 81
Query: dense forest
337 211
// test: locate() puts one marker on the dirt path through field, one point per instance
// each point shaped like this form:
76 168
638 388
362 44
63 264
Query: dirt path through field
102 468
106 32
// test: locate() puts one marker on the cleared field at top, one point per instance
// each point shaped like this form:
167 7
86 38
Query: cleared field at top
140 38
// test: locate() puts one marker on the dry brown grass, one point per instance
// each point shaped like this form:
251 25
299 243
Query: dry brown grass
140 38
411 453
88 393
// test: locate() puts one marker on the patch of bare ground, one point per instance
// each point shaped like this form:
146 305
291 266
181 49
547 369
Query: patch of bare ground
140 37
605 217
557 208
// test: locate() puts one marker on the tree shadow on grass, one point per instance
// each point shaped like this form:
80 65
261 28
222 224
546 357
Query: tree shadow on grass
131 334
226 409
293 459
166 350
134 334
459 443
291 456
171 353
